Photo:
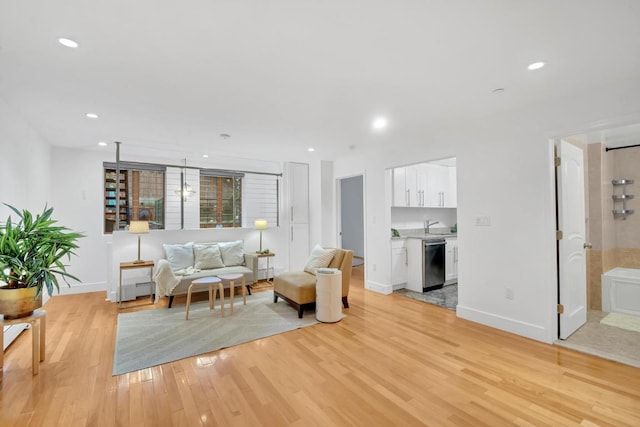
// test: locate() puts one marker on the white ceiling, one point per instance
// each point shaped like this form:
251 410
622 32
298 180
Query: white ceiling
281 76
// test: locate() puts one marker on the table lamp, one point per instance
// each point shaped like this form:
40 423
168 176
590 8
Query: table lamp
260 224
138 227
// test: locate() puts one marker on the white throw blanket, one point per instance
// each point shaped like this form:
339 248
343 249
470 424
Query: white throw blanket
167 279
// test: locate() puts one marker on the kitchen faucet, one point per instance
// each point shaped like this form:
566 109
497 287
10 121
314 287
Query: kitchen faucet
427 224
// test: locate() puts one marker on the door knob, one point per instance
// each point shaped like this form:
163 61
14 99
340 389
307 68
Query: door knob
587 245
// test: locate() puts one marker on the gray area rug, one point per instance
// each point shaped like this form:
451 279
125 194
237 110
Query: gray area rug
607 342
446 297
153 337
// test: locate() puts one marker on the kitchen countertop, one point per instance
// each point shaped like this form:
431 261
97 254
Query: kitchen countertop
419 234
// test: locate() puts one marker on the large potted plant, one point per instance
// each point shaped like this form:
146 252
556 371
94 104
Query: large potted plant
32 255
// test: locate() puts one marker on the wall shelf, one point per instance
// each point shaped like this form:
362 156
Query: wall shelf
622 198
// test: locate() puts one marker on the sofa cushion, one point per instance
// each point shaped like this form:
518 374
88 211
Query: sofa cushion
179 256
207 256
232 253
320 258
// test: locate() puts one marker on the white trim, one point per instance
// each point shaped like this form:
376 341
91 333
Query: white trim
11 332
82 288
528 330
381 288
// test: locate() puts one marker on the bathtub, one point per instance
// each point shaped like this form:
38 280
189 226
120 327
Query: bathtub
621 291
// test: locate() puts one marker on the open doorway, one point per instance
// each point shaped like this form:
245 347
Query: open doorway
351 227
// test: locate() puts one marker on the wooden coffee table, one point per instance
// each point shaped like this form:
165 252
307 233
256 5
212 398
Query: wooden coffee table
230 280
215 286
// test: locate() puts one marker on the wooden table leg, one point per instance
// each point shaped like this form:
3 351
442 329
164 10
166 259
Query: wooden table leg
188 302
221 292
232 287
35 353
1 354
244 291
43 336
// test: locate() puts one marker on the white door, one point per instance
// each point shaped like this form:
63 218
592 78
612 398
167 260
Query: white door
572 287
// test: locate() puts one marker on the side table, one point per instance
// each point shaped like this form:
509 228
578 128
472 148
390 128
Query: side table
215 287
328 295
38 334
131 266
268 256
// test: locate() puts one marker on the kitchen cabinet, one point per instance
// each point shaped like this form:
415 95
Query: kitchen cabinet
404 187
414 265
298 215
425 185
441 188
399 262
451 260
400 187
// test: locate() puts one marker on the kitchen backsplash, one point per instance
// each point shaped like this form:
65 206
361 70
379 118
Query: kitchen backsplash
413 218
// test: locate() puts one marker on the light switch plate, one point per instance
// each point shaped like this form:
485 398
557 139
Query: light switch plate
483 221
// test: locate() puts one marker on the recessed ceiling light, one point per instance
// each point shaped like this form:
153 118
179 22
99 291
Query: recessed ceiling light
205 156
536 65
102 144
380 123
311 149
225 136
498 90
68 42
92 115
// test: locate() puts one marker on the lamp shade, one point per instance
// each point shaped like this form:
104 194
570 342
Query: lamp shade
139 227
260 224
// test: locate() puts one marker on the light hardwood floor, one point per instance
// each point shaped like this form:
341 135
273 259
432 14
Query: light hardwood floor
391 361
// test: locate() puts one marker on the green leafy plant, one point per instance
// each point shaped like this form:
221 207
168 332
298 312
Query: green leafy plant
32 251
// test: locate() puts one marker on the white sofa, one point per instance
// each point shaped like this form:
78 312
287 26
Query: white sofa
185 263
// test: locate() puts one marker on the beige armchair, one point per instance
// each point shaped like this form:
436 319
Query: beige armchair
298 288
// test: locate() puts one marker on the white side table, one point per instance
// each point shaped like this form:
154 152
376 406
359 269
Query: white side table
329 295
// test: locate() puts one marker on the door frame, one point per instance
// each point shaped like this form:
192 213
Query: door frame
338 193
559 244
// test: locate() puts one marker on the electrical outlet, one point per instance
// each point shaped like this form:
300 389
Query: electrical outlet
509 293
373 267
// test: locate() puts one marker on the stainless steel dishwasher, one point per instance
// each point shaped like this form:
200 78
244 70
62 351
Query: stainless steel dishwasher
433 274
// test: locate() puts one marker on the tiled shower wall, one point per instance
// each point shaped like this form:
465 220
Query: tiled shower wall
616 242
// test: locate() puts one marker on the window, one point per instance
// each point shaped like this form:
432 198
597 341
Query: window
141 195
220 200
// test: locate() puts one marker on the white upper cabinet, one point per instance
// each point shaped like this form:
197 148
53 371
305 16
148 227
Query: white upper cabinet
428 185
400 197
441 186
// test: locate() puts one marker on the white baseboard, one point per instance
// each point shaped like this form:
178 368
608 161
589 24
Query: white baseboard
82 288
379 287
11 332
517 327
399 286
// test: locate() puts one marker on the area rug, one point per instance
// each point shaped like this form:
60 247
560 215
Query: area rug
153 337
621 320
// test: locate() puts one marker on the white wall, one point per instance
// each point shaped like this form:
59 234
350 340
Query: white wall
504 172
26 165
25 173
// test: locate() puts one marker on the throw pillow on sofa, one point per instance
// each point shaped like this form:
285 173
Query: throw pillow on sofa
179 256
232 253
207 256
320 258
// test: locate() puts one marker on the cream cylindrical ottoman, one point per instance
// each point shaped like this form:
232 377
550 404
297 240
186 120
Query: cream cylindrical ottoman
329 295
